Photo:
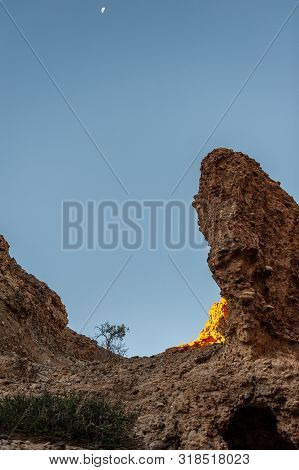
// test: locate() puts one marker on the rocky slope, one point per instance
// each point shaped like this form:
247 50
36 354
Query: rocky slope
33 319
240 395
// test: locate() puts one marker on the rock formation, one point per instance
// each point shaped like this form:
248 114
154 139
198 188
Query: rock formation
239 395
252 226
34 320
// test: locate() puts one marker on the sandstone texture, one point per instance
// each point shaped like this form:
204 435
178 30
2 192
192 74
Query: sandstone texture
252 226
242 394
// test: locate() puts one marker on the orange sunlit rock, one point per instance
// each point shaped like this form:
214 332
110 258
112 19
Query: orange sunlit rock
210 334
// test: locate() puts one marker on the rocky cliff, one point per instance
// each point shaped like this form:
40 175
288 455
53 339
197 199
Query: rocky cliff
239 395
33 319
252 226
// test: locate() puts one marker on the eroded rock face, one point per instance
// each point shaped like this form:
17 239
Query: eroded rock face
33 319
252 226
240 395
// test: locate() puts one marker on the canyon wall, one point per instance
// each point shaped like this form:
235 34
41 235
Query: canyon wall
252 226
242 394
33 319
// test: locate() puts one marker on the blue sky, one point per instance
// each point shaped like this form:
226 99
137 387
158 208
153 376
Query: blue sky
150 80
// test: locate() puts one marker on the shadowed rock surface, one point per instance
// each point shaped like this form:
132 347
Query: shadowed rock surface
34 320
240 395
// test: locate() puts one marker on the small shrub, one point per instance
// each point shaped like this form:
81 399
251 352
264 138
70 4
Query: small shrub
70 417
111 337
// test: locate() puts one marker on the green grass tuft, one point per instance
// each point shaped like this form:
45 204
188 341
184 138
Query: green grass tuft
73 417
